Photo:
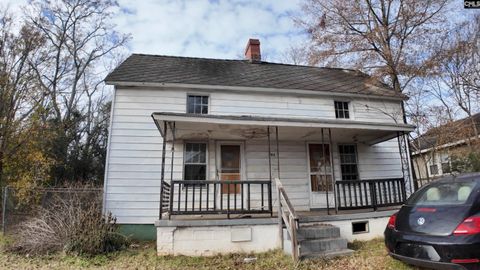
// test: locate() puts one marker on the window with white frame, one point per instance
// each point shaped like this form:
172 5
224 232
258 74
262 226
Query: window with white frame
445 163
195 161
197 104
341 110
348 161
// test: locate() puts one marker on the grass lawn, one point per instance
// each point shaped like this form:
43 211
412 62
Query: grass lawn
368 255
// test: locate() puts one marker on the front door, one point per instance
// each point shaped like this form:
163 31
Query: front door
320 175
230 166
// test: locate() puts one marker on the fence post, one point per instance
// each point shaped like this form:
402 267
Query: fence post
4 209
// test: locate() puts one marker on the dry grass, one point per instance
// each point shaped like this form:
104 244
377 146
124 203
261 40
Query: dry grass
368 255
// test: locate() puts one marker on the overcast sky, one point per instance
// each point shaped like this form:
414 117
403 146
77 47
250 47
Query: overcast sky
205 28
209 28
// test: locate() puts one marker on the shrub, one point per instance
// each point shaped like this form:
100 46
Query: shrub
71 222
466 163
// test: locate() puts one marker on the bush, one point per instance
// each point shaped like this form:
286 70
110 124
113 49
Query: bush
466 163
71 222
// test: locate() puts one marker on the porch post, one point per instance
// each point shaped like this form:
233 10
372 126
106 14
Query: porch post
332 167
162 171
172 127
269 155
278 152
325 171
405 162
278 166
270 173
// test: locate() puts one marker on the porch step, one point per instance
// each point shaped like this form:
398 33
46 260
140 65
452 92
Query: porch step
322 245
321 241
318 232
328 254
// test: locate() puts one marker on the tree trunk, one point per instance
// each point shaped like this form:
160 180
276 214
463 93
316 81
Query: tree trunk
2 184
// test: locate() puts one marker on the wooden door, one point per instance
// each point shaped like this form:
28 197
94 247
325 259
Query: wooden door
230 167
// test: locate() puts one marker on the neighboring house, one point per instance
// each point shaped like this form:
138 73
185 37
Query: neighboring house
198 147
434 152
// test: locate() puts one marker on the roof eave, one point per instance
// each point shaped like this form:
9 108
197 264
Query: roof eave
275 121
251 89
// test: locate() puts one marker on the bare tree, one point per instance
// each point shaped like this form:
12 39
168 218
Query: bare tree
385 38
296 55
457 70
78 36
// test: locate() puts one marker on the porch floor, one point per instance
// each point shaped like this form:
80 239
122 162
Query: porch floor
314 215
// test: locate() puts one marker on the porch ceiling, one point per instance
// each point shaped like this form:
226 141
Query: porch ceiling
227 127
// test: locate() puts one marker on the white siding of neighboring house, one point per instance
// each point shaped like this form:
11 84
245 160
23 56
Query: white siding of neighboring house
135 147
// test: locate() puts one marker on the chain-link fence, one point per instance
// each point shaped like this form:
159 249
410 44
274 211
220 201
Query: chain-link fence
18 205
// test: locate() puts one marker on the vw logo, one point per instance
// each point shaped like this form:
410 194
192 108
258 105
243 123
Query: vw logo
421 221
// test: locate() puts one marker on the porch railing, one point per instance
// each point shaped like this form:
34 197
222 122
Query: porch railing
358 194
287 216
199 197
164 197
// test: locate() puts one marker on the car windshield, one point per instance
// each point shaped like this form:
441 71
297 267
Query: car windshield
444 194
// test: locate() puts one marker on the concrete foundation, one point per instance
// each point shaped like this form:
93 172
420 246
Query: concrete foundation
207 238
222 236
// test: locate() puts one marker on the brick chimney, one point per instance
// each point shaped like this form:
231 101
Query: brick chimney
252 51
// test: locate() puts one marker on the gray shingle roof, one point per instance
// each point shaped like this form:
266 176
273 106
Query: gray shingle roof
141 68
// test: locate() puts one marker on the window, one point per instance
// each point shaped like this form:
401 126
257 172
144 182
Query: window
348 161
320 168
434 169
446 168
341 110
195 161
197 104
445 163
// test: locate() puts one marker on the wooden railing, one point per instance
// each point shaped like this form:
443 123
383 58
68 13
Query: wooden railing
198 197
287 216
164 198
358 194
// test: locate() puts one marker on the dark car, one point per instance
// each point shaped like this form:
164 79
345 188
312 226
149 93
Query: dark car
439 225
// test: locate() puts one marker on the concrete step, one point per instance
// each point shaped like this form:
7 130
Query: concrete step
322 245
327 254
318 232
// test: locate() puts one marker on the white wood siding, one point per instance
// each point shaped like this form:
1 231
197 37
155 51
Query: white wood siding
135 150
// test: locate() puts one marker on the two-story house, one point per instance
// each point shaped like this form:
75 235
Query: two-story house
209 151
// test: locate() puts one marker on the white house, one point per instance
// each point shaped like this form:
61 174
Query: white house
201 150
435 152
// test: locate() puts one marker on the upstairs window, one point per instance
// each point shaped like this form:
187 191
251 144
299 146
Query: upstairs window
348 161
197 104
341 110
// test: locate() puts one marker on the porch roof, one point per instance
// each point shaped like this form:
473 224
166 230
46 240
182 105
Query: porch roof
233 127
